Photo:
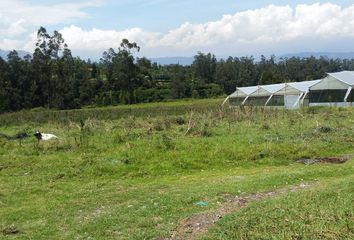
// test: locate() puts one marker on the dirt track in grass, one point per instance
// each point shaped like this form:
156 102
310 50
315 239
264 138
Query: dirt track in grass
199 224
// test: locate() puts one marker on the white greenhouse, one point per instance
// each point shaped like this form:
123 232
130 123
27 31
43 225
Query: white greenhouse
296 94
266 95
334 90
241 95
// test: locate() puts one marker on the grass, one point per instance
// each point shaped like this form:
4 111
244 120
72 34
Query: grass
138 175
325 212
42 115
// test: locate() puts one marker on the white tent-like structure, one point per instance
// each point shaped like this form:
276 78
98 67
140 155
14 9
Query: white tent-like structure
296 93
282 94
266 95
273 88
334 90
244 91
241 95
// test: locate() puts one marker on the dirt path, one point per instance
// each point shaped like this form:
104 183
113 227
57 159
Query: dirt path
199 224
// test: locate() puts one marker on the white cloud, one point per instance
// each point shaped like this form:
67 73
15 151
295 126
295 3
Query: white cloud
18 19
253 30
14 29
97 39
39 15
271 24
6 43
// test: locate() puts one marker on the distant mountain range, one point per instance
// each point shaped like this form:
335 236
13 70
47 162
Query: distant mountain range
189 60
173 60
3 53
331 55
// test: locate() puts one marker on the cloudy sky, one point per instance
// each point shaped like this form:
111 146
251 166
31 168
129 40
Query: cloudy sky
183 27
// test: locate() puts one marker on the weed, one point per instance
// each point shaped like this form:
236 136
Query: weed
10 230
265 127
167 142
157 125
324 129
180 120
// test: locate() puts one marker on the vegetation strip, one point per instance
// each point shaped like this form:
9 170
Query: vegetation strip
51 77
199 224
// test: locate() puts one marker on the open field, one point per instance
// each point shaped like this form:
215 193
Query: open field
141 172
41 115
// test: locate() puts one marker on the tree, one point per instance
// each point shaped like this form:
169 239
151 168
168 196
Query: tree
204 67
179 85
247 73
50 46
226 74
64 93
17 82
4 85
107 63
123 72
46 57
144 68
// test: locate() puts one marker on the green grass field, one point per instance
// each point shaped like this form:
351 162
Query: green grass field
137 172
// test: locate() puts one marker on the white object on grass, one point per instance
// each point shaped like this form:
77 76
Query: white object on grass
45 136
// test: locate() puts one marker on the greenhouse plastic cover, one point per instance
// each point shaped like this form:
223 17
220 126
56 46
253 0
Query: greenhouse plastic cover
245 91
248 90
273 88
345 76
303 86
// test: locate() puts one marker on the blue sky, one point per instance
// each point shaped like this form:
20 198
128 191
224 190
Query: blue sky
162 15
171 28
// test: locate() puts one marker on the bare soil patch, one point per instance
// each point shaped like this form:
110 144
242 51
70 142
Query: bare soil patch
199 224
339 160
10 230
335 160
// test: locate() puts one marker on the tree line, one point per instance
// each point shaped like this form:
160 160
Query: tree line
53 78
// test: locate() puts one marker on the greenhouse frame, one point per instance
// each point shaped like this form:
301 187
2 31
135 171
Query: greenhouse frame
334 90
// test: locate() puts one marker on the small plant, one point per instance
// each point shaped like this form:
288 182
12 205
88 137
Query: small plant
324 129
168 142
205 132
191 124
265 127
10 230
119 138
167 123
180 120
130 123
